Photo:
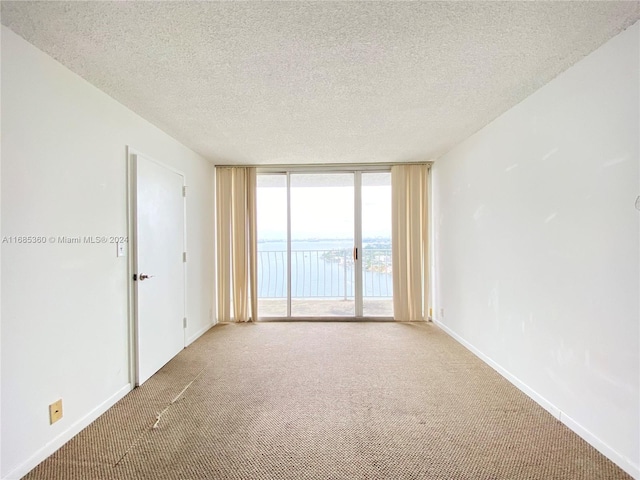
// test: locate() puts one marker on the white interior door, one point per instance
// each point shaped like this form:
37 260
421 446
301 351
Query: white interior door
159 265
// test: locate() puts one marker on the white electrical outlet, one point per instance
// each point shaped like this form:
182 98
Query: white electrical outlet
442 313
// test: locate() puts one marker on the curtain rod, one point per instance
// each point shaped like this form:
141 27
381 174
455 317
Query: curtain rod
310 166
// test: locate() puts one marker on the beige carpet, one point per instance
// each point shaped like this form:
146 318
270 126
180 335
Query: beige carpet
327 401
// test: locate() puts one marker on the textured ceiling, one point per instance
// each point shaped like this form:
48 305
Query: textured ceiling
306 82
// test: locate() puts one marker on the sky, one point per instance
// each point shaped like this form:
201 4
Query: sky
323 212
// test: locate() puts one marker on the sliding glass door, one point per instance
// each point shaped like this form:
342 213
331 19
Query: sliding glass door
377 284
273 260
324 244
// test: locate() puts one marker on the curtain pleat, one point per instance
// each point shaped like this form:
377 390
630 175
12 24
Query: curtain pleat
223 234
410 247
237 244
253 240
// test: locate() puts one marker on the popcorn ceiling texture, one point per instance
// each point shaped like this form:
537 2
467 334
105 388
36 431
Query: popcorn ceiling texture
308 82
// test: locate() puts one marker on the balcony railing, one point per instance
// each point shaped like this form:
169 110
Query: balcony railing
324 274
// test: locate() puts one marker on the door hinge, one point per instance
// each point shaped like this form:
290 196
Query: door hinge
184 190
184 257
184 322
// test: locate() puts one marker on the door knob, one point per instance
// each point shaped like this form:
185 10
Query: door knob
144 276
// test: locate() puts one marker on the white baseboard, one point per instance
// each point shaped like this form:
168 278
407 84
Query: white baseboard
620 460
198 334
539 399
623 462
35 459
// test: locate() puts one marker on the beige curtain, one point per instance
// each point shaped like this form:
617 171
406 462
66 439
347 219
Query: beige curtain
410 241
236 244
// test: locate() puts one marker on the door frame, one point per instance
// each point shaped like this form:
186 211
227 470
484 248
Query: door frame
132 300
357 170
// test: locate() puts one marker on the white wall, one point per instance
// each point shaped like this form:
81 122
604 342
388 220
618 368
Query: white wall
64 307
538 246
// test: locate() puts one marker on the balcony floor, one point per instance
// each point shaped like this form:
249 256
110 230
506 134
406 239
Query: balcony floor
323 307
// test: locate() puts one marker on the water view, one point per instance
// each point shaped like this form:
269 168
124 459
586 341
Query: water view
323 268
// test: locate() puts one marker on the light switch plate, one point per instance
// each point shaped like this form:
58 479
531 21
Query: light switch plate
122 249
